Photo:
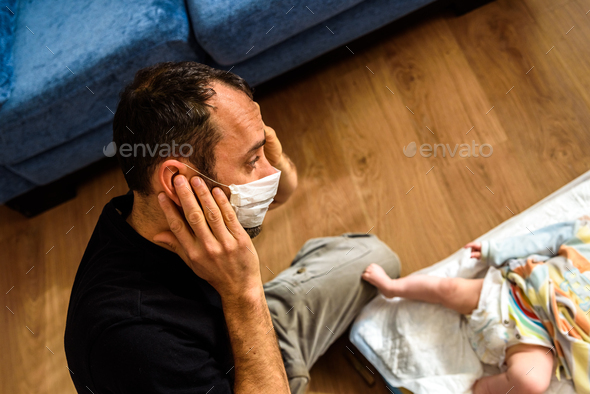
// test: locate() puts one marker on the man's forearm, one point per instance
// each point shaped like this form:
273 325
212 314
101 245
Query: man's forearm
288 181
259 366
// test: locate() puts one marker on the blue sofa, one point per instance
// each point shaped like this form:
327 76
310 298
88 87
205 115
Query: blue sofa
64 63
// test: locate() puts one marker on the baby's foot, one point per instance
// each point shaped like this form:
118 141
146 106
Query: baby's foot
376 275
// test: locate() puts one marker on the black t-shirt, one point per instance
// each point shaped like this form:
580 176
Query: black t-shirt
140 320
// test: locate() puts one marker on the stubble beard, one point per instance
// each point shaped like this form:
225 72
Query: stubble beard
253 231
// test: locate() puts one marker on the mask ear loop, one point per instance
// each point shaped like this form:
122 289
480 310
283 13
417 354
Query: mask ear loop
178 172
204 176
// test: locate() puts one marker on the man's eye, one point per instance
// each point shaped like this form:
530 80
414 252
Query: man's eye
253 162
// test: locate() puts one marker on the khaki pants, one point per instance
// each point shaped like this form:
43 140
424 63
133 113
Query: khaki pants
314 300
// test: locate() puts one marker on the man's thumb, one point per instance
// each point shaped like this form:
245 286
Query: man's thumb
166 238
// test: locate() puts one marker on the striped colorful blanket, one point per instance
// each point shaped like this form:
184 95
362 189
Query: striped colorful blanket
549 275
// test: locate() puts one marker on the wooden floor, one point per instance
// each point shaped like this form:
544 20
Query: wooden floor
512 74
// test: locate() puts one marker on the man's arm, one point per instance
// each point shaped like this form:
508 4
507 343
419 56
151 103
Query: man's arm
545 241
259 365
220 251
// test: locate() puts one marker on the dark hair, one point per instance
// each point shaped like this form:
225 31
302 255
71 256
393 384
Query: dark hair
167 102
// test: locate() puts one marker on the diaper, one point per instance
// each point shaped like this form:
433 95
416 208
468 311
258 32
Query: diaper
490 329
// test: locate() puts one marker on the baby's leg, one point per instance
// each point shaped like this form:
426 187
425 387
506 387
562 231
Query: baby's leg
461 295
529 371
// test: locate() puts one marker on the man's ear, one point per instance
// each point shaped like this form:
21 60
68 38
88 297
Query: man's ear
165 177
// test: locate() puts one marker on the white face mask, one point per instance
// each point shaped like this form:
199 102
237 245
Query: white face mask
251 200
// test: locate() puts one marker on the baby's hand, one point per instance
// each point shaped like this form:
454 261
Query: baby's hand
475 249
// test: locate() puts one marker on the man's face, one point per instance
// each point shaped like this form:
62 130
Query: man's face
239 155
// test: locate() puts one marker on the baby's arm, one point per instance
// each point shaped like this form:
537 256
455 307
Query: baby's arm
545 241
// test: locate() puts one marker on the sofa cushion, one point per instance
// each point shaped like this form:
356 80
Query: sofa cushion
355 22
66 158
12 185
71 58
8 10
234 30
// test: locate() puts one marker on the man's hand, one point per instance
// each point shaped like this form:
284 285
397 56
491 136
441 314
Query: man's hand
475 249
225 257
221 252
273 150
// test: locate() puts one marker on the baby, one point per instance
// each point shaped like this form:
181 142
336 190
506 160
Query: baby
533 304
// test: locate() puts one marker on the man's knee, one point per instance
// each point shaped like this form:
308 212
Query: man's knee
380 253
392 265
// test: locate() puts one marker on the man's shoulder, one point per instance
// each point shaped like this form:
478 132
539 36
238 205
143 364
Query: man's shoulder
105 291
114 251
105 288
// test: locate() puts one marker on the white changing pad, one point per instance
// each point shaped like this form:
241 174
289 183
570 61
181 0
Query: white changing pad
422 346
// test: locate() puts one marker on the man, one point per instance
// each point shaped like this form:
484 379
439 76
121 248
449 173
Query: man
168 297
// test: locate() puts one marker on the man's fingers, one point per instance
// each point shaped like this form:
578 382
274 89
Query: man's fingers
475 255
192 211
177 227
210 209
229 216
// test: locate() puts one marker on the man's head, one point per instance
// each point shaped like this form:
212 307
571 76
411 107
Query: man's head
169 105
